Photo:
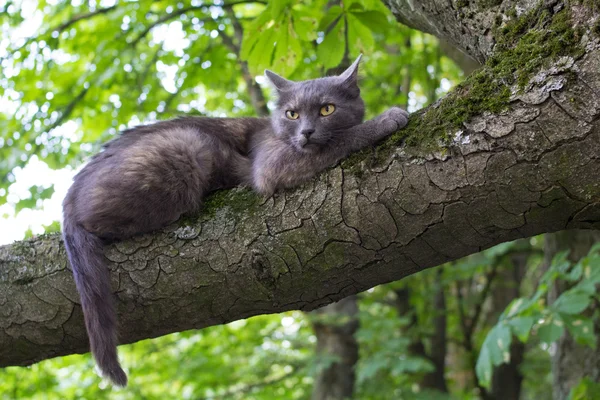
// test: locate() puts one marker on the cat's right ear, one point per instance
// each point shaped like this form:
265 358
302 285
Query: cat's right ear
278 82
350 75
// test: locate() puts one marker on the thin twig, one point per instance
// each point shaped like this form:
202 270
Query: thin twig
257 97
81 17
484 293
61 27
68 109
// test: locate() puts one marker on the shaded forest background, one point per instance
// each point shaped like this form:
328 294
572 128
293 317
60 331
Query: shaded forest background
492 325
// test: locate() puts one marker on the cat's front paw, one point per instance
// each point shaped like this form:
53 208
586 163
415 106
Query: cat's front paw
393 120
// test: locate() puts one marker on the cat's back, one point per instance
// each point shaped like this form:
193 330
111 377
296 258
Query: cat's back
159 165
232 131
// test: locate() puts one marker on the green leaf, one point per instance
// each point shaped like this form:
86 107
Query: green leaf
288 50
521 326
371 368
500 339
262 53
515 307
595 249
587 286
305 26
253 33
46 193
551 330
24 203
483 368
582 330
277 7
586 389
572 302
576 272
361 4
524 305
560 261
494 351
412 365
52 228
360 38
376 21
331 50
332 14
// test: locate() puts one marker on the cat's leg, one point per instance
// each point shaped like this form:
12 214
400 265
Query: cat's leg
372 131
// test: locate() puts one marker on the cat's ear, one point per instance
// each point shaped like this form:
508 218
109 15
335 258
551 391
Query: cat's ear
350 75
278 82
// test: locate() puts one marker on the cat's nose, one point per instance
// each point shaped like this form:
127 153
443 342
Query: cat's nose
307 132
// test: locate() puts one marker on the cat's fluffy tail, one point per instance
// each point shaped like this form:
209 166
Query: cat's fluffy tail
85 252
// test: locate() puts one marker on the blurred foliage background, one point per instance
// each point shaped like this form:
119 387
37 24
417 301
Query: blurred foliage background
75 73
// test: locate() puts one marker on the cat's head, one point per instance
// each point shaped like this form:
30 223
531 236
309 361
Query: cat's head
310 113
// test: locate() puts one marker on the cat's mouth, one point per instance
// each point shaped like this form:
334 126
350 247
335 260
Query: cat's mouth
304 145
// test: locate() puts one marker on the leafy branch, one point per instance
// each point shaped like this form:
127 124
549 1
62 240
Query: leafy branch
526 315
256 94
185 10
60 28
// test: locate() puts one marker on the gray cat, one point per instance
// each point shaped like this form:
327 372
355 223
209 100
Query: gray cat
151 175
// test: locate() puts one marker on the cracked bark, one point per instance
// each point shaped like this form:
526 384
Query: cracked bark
528 170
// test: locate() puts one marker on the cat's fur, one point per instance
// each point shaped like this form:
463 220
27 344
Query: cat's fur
151 175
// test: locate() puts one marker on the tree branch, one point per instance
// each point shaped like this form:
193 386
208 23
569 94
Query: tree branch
257 97
66 111
375 218
489 279
81 17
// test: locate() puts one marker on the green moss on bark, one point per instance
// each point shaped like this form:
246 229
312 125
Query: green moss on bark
488 3
535 40
237 201
524 45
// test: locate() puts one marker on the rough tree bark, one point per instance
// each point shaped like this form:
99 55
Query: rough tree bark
529 169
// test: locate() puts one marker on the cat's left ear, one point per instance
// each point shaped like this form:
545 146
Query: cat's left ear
278 82
350 75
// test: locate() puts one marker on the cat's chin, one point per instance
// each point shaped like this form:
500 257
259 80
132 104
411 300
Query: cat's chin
309 148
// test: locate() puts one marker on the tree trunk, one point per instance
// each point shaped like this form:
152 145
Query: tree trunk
438 346
335 339
571 362
528 169
507 379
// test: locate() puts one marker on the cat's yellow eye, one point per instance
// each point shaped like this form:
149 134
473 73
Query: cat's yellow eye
292 114
327 110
